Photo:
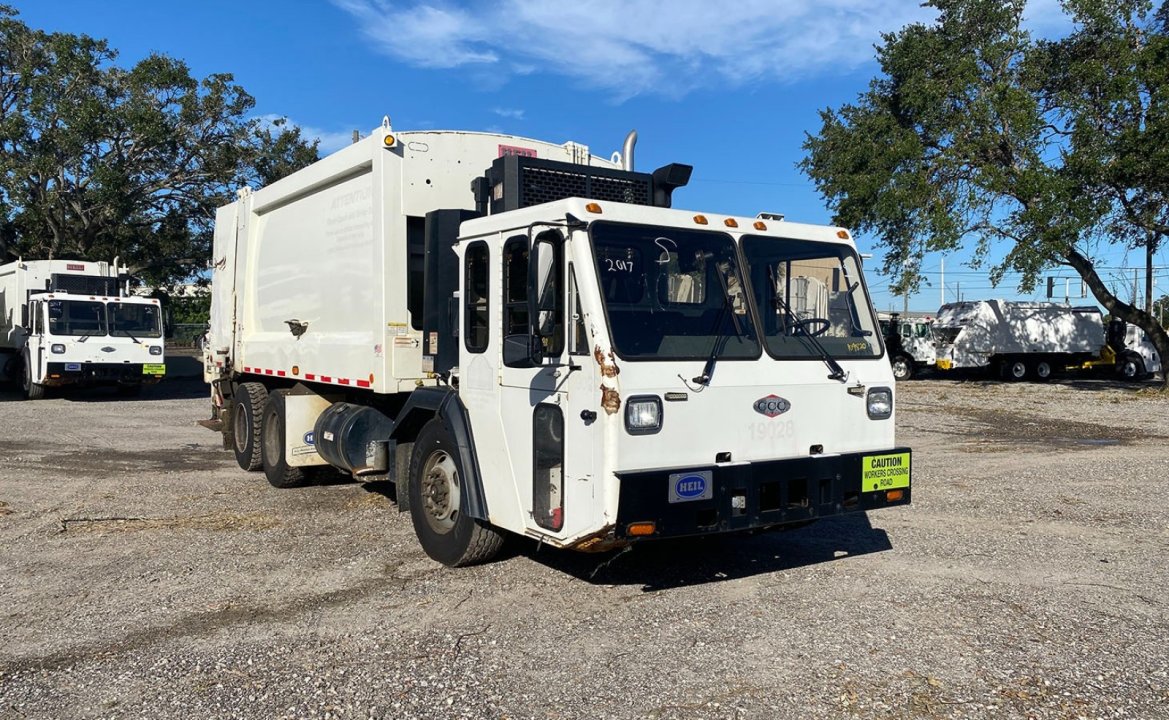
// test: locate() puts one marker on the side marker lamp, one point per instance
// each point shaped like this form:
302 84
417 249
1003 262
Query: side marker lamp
641 529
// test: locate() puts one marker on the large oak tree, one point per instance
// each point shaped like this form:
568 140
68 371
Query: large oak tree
97 160
1040 153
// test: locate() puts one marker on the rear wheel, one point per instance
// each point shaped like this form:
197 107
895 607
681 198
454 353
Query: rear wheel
902 367
32 391
1043 370
1014 370
436 489
246 421
276 468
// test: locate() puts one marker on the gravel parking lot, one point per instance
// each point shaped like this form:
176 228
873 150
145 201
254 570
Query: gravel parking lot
143 575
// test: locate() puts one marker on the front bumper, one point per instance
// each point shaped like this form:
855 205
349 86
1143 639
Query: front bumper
764 494
67 373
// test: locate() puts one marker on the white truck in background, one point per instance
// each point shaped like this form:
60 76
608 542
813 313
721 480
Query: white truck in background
1035 340
526 338
69 322
909 343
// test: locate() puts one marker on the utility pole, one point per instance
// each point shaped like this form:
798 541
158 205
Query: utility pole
943 281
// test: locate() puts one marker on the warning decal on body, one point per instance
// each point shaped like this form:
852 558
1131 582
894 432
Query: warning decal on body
884 472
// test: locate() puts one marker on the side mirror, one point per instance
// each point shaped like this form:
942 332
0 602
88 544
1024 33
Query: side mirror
522 351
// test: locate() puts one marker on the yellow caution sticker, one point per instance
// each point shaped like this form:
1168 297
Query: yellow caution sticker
154 369
884 472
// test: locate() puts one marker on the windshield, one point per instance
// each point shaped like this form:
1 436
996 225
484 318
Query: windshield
673 294
76 317
133 320
805 288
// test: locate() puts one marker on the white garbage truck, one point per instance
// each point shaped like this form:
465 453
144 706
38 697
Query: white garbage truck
1035 340
526 338
70 322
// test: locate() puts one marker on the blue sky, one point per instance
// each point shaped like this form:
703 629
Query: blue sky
730 88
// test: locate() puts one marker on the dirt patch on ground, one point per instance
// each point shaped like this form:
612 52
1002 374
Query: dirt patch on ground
989 430
215 521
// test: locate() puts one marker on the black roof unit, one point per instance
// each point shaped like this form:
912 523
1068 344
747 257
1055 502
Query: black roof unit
513 182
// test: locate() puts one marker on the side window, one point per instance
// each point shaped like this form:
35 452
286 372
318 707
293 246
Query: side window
515 286
548 467
578 341
38 322
475 292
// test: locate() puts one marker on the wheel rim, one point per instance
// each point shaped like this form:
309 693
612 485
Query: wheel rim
900 369
1018 370
440 491
1130 369
240 425
1043 370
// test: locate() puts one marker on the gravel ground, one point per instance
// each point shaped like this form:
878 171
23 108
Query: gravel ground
143 575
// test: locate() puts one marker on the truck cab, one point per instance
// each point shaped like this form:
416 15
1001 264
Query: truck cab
75 328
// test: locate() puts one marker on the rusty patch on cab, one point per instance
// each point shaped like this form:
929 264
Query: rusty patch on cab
610 400
608 368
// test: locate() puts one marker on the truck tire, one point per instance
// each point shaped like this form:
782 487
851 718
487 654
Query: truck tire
1014 370
902 367
276 468
1043 370
247 411
32 391
1131 368
445 533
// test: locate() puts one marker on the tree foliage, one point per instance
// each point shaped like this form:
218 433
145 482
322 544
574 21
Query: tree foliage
1040 152
98 161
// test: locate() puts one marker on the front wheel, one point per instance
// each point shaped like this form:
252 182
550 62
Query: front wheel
1131 368
436 507
902 367
32 390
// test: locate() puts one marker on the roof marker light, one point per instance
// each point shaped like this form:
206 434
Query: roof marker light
842 234
593 208
760 225
700 219
389 140
731 222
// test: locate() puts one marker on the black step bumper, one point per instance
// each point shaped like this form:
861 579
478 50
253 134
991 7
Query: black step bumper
763 494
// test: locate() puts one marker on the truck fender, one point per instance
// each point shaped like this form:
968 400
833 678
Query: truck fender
426 403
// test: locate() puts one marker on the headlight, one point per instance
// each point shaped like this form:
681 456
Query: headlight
880 403
57 349
155 349
643 415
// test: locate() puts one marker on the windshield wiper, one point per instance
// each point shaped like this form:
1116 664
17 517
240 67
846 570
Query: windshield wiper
720 340
127 333
838 373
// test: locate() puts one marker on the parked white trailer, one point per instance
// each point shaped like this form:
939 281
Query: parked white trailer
68 322
526 338
1020 340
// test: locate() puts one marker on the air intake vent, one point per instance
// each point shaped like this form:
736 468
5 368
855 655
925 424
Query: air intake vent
83 284
513 182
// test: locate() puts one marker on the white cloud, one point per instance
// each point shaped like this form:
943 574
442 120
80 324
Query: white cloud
329 141
647 46
510 113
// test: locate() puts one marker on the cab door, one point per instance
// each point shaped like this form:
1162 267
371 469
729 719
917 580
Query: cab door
545 408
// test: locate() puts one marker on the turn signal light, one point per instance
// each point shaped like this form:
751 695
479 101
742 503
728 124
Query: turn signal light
593 208
894 495
641 529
